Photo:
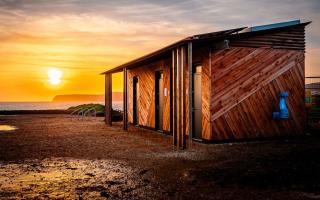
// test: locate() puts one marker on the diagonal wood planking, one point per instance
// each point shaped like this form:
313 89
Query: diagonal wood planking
246 83
146 98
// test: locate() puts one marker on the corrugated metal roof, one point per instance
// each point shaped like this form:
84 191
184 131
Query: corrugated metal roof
272 26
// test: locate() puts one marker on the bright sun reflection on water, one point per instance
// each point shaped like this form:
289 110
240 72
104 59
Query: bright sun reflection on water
7 128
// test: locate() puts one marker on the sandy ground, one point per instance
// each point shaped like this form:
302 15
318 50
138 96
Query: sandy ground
62 157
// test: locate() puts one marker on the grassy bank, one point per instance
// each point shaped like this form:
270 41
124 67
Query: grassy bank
98 108
86 109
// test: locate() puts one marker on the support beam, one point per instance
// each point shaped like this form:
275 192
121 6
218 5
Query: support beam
183 109
125 99
178 97
179 57
108 99
190 93
174 97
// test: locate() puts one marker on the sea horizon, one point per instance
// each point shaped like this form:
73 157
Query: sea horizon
47 105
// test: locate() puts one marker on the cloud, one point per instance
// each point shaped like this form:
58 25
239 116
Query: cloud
124 24
95 35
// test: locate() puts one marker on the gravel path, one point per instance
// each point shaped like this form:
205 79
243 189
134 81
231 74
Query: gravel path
63 157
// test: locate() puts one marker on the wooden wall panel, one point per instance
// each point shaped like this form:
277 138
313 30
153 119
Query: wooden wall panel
292 38
246 83
146 98
166 102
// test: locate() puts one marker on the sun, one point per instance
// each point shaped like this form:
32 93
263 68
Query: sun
54 76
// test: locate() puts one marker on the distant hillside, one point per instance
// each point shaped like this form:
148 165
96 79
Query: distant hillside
116 96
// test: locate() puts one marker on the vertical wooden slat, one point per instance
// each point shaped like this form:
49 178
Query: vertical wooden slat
178 97
179 132
190 93
108 99
210 91
125 99
183 99
174 93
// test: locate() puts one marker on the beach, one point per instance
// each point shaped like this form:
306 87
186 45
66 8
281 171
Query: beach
66 157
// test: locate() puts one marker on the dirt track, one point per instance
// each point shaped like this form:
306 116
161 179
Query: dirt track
56 156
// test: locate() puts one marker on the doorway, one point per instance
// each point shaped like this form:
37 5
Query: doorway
197 102
159 100
135 100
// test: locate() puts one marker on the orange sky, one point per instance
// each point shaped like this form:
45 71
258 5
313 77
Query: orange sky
85 38
74 45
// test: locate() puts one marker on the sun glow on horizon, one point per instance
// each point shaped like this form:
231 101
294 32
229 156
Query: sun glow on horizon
50 48
54 76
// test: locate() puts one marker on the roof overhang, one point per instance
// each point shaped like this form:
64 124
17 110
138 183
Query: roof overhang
207 37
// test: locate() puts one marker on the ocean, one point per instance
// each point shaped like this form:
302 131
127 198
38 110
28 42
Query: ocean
48 105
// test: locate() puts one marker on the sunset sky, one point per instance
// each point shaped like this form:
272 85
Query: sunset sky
81 39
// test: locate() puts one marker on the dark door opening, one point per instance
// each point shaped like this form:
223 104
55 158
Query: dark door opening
197 102
135 100
159 100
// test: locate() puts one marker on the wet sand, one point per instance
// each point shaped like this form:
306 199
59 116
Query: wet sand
64 157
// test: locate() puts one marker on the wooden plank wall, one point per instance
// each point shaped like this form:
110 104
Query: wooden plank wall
166 102
146 98
240 87
246 83
291 39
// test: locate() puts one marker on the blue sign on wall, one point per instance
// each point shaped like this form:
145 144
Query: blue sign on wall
284 112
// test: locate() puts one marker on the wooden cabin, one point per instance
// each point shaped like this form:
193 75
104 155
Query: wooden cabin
218 86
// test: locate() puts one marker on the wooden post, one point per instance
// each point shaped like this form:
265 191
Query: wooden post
179 103
190 93
108 99
174 98
183 96
178 88
125 99
179 62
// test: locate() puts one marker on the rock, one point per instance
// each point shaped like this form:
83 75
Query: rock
146 181
143 171
90 174
71 168
127 190
110 183
104 194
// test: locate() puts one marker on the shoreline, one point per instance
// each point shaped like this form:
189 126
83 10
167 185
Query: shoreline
30 112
